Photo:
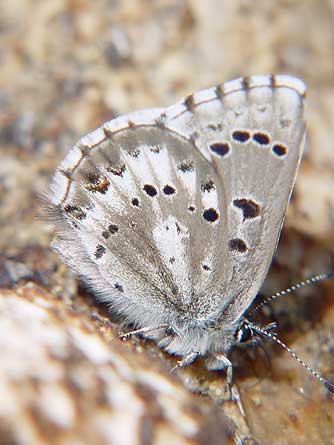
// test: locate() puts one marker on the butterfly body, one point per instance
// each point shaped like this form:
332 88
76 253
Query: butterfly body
172 215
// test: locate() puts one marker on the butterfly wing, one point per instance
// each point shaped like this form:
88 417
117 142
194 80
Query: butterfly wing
176 213
127 205
252 132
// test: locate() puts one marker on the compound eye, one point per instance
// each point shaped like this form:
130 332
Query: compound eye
244 334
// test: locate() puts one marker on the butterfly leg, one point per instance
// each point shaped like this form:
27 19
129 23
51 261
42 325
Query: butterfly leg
222 362
144 330
186 360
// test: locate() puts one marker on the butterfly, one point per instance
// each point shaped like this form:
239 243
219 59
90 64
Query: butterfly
172 215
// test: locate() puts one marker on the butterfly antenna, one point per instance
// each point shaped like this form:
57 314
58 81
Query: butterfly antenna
292 289
267 334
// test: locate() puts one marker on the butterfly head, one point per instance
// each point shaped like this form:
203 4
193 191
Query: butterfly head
245 334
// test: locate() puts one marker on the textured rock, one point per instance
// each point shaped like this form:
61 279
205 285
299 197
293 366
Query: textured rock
66 379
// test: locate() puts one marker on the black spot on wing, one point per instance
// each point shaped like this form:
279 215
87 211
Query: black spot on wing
261 138
134 152
75 211
169 190
113 228
207 186
117 169
237 245
99 251
186 165
118 287
241 136
220 148
211 215
250 208
106 234
135 202
279 150
97 183
150 190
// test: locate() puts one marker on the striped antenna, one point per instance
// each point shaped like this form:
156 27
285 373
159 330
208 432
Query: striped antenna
291 289
322 380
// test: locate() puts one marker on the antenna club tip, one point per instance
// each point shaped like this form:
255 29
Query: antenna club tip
329 386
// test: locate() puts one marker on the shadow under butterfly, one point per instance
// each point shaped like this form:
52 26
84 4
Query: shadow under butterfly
172 216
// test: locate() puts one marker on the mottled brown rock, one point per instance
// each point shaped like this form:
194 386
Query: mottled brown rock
66 378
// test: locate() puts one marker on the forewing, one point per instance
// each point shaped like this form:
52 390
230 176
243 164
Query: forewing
137 209
252 132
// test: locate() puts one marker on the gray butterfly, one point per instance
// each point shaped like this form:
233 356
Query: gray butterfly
172 216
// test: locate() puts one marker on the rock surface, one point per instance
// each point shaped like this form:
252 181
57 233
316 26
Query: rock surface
65 377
